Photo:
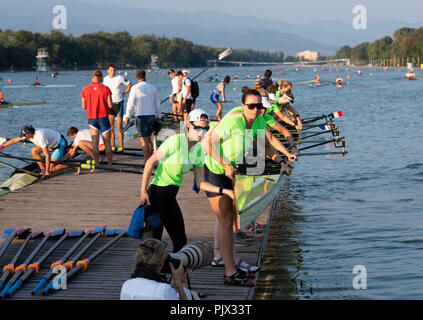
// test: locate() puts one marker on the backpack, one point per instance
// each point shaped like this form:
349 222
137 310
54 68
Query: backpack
195 89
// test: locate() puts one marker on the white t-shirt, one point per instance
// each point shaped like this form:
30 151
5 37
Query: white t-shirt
186 83
84 134
44 137
175 85
117 87
145 289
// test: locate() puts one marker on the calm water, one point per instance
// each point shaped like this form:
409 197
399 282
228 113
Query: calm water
335 212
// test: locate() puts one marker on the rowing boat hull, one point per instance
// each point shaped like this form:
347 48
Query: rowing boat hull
253 194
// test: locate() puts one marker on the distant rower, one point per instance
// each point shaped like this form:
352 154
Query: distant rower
2 98
37 82
317 80
410 75
339 81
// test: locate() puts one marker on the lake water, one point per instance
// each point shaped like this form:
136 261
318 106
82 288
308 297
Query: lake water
334 213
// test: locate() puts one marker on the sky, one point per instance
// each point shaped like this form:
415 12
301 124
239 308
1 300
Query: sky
294 11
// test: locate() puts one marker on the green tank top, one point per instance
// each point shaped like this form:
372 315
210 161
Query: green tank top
235 139
178 160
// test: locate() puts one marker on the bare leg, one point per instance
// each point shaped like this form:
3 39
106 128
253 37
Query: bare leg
36 151
112 129
95 139
119 130
87 146
217 251
219 111
223 209
106 138
147 147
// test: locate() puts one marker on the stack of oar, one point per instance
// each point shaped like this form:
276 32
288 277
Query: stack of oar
73 260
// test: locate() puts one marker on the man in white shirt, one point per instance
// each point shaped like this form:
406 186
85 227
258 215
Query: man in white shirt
187 100
82 139
143 102
116 84
176 89
45 141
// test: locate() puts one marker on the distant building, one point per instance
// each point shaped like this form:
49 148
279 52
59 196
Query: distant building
308 55
42 57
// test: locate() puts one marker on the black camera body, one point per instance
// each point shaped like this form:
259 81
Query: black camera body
166 267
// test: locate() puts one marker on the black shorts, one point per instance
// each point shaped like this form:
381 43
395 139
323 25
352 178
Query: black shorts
187 106
218 180
117 109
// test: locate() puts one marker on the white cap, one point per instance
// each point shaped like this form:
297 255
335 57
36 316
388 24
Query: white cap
184 71
266 102
195 115
272 96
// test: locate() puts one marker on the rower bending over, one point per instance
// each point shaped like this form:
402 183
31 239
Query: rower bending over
45 141
215 96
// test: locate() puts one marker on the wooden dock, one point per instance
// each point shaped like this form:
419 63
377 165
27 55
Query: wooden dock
108 199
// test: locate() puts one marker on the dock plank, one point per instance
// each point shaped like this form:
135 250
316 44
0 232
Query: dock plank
108 199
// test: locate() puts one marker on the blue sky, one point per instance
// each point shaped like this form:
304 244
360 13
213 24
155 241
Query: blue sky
294 11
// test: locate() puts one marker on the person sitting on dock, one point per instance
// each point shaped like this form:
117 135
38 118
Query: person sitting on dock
82 139
45 141
147 282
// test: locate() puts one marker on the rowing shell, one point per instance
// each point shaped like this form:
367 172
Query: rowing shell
18 104
253 194
43 86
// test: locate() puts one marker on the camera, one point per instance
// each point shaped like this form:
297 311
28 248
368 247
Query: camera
194 256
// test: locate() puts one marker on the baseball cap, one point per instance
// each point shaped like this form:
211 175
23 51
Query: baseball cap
184 71
266 103
198 115
25 129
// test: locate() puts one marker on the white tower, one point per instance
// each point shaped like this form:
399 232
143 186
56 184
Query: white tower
42 60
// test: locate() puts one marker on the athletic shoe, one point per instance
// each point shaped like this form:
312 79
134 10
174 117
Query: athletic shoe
113 148
119 149
239 278
246 267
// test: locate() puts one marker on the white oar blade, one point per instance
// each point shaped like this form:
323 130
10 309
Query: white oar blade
2 140
225 53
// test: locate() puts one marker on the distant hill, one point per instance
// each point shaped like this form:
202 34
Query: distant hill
204 27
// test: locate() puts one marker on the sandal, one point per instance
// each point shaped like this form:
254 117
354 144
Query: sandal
246 267
217 262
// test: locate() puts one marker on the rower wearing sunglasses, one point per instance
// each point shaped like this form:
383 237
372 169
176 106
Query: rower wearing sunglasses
224 146
177 155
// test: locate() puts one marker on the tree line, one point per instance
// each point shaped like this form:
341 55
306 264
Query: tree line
405 46
19 48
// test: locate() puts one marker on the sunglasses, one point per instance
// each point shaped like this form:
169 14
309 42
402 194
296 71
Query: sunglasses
201 128
253 106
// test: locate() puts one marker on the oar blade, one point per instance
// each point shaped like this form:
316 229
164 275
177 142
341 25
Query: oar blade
2 140
225 53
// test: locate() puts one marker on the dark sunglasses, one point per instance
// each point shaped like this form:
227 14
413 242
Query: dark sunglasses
201 128
253 106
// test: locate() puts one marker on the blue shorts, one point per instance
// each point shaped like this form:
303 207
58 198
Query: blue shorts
102 124
57 154
145 125
215 97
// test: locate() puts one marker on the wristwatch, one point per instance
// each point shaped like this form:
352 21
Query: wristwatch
221 191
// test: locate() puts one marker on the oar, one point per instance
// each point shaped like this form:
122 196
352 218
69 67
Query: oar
10 268
21 170
66 256
341 139
129 124
23 267
222 55
37 265
10 234
82 265
70 164
333 115
334 133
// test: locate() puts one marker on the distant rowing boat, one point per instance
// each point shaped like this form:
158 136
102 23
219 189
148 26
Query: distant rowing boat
18 104
43 86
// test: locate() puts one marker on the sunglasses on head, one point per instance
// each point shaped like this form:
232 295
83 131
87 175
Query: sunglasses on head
253 106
